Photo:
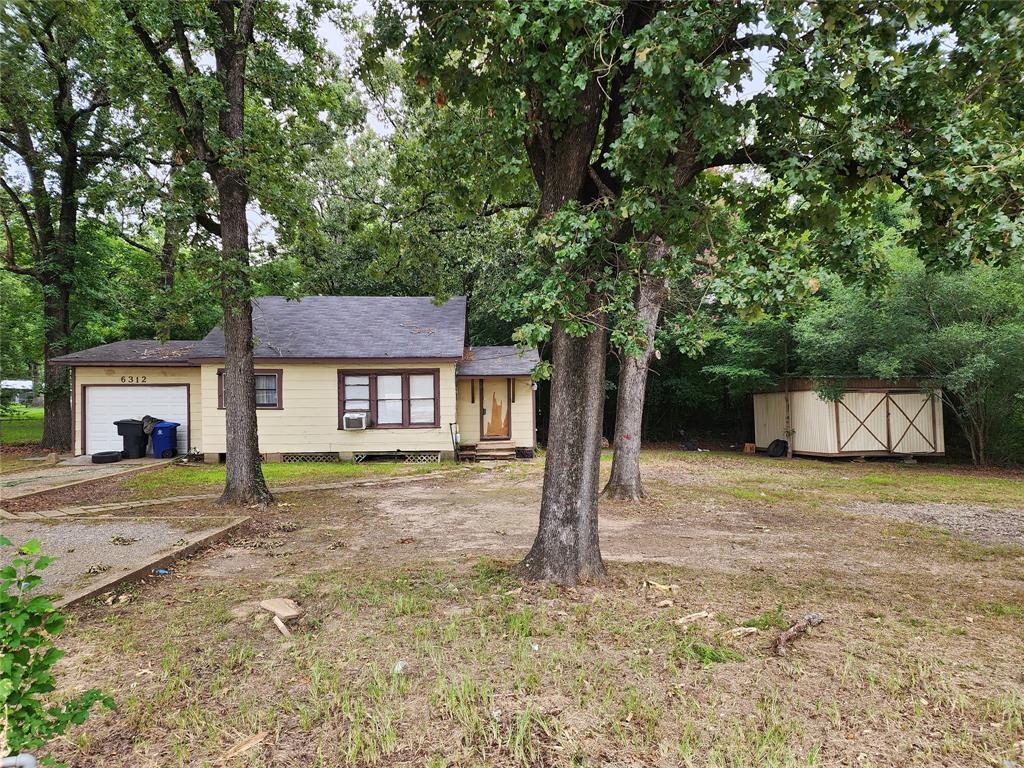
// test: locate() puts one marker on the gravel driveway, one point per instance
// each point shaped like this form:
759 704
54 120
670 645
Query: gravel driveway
91 551
993 526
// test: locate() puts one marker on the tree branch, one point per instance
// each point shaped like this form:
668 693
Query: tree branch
246 19
26 215
99 101
184 50
9 262
134 243
602 187
189 123
750 155
208 223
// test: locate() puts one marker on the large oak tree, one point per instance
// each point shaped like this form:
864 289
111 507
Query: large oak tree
630 117
247 91
61 133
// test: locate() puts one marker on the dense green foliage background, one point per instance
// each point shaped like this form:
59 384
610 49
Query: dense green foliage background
799 269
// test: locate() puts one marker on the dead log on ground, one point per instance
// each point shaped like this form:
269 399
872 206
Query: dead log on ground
788 636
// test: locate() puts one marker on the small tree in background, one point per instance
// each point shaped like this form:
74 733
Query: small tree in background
29 627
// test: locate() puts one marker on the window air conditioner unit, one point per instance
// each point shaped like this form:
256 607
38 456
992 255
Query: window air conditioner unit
354 421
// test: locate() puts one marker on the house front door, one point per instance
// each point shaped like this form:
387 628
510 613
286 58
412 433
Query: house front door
495 409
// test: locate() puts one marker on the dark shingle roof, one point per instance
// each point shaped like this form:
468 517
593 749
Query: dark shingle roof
498 361
351 327
133 352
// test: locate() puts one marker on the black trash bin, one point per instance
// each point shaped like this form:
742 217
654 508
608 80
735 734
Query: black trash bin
134 438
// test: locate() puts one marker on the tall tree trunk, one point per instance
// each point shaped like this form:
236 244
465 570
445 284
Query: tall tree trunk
625 481
55 273
175 227
57 381
567 550
245 482
169 254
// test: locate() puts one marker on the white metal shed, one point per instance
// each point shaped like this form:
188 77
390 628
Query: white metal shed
873 418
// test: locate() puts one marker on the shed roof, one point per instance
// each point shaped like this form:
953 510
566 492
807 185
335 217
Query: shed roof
351 327
133 352
498 361
848 383
16 384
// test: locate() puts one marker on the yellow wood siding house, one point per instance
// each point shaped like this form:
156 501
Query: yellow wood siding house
337 377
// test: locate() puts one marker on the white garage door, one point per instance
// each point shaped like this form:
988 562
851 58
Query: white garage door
105 405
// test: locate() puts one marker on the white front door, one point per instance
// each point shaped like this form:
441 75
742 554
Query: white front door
103 405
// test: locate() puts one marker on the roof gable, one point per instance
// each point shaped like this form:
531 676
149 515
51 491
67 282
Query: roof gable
350 327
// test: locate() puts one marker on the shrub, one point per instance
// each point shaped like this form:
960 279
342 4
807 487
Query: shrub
29 626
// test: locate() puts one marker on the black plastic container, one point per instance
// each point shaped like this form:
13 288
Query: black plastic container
133 437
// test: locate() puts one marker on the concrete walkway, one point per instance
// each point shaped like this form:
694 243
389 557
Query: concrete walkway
92 510
54 476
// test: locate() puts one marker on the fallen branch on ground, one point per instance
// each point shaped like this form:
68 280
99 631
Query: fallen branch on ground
795 631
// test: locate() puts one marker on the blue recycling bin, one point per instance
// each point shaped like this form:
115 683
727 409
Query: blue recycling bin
165 439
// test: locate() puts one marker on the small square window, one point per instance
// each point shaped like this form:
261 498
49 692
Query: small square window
267 386
266 390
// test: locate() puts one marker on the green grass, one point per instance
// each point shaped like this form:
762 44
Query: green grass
203 477
24 428
603 673
768 619
693 648
1000 609
810 482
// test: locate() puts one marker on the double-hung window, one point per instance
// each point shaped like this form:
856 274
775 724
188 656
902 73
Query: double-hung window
422 398
391 399
355 394
268 388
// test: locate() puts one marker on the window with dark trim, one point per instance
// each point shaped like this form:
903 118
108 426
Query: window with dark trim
268 388
391 399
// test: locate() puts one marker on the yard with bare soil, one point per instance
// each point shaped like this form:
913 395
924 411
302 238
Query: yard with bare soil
416 647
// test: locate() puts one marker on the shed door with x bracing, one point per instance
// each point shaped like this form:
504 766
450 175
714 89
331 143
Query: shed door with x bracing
886 422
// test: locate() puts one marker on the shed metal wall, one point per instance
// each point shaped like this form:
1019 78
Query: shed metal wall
769 418
814 424
892 422
861 419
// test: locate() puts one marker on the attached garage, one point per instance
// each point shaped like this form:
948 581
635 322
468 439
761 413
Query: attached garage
129 380
872 418
103 405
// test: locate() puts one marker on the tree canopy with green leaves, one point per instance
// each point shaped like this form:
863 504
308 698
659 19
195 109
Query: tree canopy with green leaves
65 129
635 122
244 93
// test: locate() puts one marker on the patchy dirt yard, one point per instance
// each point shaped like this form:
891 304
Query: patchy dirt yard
417 648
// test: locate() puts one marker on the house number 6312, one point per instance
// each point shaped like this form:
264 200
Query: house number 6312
133 379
